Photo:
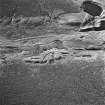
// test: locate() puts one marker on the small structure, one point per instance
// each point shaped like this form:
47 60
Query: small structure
92 8
94 13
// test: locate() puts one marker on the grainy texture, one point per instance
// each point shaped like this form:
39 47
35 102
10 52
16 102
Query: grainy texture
46 62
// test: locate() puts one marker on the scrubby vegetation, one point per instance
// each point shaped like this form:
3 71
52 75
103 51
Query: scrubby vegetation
34 7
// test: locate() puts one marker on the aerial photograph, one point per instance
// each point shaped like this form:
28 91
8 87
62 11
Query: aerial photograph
52 52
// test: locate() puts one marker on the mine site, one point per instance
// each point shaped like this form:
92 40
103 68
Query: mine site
52 52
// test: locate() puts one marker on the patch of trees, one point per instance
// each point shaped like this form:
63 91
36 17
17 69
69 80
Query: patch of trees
35 7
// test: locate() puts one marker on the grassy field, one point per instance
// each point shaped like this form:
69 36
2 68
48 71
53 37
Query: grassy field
73 83
78 79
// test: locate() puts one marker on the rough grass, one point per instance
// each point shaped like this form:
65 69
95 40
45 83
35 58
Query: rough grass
23 31
75 83
72 83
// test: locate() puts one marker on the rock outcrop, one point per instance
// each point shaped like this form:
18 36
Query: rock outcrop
48 56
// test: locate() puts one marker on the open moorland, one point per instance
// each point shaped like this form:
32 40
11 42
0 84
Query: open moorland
50 62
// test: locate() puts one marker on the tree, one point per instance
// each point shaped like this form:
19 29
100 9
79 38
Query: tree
9 7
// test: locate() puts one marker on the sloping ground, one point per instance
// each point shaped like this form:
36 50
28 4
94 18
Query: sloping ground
76 78
75 82
51 65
